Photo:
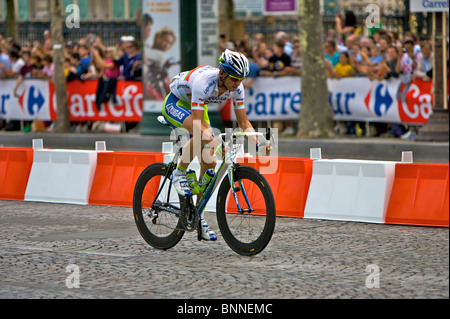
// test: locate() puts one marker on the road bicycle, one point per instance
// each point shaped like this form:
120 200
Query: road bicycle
245 205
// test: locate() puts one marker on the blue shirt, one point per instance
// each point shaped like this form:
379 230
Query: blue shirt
376 60
254 70
334 59
86 61
127 63
4 59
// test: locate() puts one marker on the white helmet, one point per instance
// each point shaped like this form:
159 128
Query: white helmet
234 63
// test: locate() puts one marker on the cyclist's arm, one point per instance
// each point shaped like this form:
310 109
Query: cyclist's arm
200 125
245 125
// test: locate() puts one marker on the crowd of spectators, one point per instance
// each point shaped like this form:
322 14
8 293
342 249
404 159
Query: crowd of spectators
86 59
377 56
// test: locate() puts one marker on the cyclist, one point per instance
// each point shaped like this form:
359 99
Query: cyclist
186 107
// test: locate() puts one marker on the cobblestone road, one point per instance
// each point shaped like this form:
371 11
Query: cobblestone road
305 259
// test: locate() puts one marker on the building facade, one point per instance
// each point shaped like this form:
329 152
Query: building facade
108 19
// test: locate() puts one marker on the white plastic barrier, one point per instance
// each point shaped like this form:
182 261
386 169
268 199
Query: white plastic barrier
61 176
350 190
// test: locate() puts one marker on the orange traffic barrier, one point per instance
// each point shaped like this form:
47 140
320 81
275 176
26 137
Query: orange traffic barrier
15 167
289 183
116 175
419 195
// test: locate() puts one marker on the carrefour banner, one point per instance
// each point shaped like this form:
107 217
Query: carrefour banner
32 101
36 100
352 99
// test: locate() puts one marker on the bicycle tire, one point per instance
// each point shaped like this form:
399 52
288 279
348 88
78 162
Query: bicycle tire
149 181
231 221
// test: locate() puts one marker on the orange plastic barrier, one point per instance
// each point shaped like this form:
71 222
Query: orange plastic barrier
419 195
15 167
116 175
289 184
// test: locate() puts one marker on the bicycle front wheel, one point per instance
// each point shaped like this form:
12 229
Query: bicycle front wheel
156 208
246 222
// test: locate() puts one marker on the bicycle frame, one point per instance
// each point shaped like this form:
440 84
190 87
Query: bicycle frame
227 166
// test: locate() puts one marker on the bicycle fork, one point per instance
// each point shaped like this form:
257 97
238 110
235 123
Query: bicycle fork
241 188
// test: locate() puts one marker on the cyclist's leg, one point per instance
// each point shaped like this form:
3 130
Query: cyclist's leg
191 149
175 112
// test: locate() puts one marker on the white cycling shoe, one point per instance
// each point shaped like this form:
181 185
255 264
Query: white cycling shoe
180 184
207 233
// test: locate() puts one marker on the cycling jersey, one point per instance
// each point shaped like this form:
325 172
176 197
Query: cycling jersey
199 87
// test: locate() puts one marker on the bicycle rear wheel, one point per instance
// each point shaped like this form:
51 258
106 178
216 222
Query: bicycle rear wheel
246 229
159 224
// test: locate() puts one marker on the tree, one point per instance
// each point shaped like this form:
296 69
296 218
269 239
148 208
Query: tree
63 121
316 115
11 25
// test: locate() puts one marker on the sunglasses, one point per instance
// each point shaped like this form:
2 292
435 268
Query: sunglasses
235 78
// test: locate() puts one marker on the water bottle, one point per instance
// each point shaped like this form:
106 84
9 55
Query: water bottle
191 178
206 179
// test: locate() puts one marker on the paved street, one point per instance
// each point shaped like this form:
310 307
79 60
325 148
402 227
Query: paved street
39 242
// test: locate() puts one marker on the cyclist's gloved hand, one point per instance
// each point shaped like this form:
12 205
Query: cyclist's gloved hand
219 152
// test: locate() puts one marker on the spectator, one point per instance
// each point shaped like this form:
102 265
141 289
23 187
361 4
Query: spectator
131 62
349 42
95 71
388 67
383 44
342 69
5 62
346 27
16 63
256 48
331 54
406 65
107 84
356 59
84 53
374 69
425 66
278 62
296 61
49 67
413 38
281 37
48 45
77 69
262 56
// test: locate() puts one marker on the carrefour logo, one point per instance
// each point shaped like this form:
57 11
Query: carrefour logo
31 101
378 101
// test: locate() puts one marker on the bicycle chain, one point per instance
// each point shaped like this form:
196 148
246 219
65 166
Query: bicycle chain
189 215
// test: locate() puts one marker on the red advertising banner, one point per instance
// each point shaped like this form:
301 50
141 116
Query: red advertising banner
81 98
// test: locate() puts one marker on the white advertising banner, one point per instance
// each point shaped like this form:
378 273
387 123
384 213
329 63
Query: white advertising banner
31 103
275 99
428 5
352 99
